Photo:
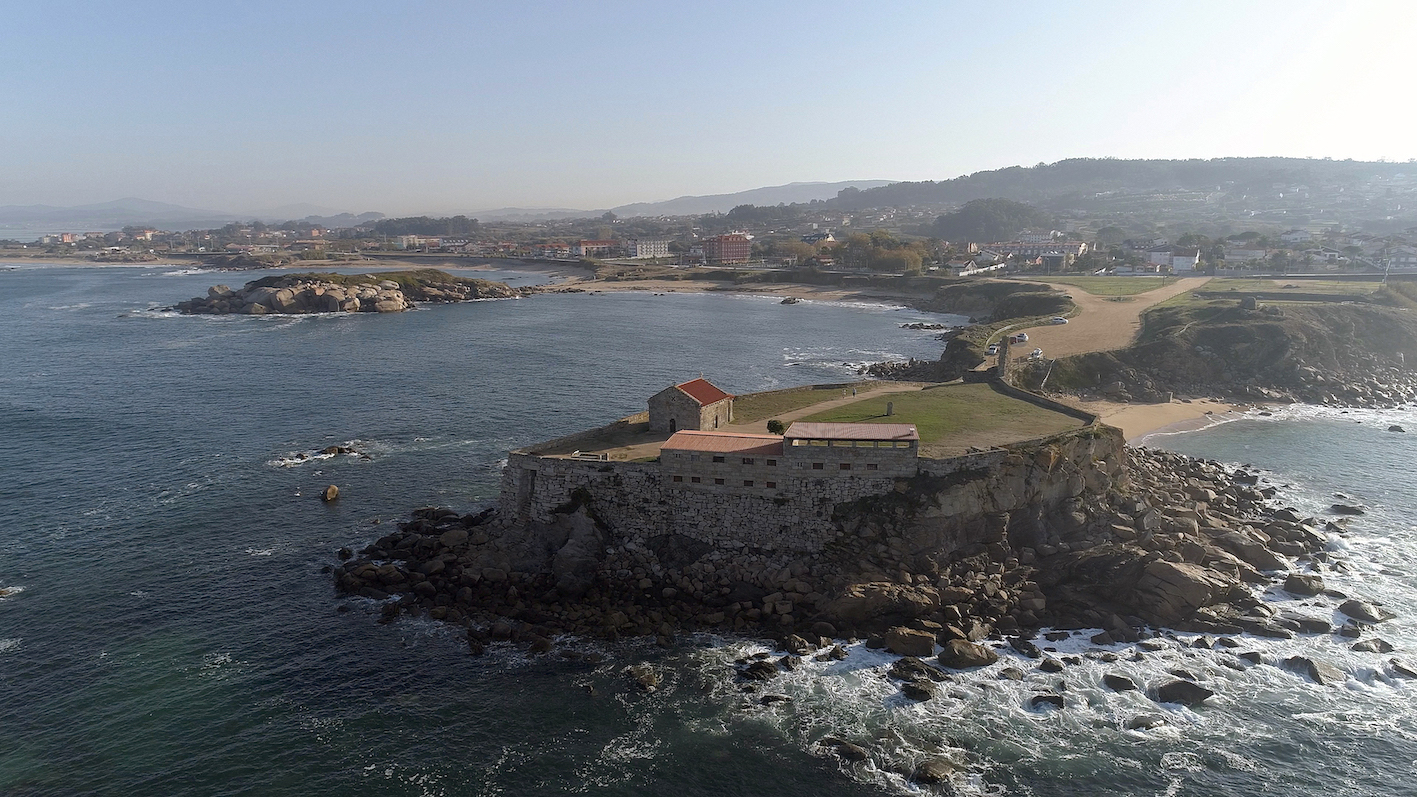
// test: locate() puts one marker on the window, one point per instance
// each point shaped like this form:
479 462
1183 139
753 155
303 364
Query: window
845 466
718 459
771 485
818 466
678 478
694 480
871 466
718 481
772 463
747 460
747 482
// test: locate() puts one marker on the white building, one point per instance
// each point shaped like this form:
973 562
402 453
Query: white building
640 250
1295 236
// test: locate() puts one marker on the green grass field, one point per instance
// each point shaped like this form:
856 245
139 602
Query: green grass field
1345 287
1111 286
952 418
761 406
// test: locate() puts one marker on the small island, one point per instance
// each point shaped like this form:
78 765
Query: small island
380 292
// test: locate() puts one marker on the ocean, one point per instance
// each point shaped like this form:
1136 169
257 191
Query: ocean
167 628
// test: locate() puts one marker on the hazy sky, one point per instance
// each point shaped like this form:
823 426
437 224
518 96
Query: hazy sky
442 105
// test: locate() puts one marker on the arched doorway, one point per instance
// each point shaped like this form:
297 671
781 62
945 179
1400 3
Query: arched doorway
673 426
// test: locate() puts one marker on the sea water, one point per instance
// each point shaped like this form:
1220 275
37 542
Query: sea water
166 627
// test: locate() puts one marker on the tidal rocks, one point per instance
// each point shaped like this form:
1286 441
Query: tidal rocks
1183 692
293 294
1347 509
909 642
1363 611
1119 683
1303 584
933 771
961 654
1319 672
1046 701
846 750
329 494
644 676
1374 645
918 690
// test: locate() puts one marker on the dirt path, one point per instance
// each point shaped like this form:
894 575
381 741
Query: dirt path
1102 323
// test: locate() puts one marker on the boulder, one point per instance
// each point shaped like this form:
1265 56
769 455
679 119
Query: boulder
1396 428
918 690
911 668
960 654
1363 611
1319 672
1183 692
1303 584
933 771
1374 645
1145 722
1119 683
1046 701
846 750
909 642
879 605
329 494
1347 509
1168 592
1250 552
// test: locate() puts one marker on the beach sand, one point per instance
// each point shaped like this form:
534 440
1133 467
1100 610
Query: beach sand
1139 421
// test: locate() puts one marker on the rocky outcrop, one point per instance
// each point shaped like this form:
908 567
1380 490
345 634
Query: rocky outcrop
298 294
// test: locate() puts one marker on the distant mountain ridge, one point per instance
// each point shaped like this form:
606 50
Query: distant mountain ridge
1067 181
789 194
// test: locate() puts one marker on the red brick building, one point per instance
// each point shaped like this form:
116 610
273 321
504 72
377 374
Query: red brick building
734 247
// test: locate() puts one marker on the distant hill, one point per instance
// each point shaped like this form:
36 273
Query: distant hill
792 193
1071 182
111 215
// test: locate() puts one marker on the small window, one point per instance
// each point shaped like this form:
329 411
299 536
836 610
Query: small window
747 482
718 481
845 466
718 459
678 478
871 466
747 460
818 466
772 463
770 485
694 480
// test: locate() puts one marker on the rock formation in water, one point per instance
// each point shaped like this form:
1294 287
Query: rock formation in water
386 292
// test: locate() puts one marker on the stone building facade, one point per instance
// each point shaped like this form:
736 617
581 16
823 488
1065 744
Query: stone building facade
694 405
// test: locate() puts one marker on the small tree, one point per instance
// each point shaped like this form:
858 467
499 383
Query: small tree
775 427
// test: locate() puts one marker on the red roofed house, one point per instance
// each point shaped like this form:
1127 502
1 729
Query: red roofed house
691 406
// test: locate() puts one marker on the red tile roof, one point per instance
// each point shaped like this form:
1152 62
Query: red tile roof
702 391
853 431
724 443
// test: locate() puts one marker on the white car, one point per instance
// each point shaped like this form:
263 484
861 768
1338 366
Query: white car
1057 319
1021 337
992 350
1036 354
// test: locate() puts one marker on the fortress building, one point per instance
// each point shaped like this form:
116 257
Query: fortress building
695 405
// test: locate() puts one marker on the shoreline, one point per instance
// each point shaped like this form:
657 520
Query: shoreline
1141 421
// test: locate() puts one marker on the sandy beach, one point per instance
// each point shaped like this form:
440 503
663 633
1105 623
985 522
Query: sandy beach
1140 421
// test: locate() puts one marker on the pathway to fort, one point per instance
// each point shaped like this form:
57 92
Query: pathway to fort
862 391
1102 323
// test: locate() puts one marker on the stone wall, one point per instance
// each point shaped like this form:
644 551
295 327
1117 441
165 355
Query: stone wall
1031 482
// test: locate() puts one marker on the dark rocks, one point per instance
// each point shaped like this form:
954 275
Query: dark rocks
329 494
1363 611
1374 645
918 690
1119 683
913 669
1396 428
846 750
909 642
1145 722
1319 672
1303 584
644 676
961 654
1182 692
760 670
1046 701
1402 670
1050 664
933 771
1347 509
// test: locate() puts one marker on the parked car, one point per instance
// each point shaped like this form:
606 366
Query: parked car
1057 319
1021 337
992 350
1036 354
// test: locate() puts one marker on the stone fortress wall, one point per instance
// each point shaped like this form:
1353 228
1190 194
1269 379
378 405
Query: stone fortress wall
639 500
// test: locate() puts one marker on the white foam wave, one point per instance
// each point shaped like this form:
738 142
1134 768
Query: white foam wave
10 592
7 645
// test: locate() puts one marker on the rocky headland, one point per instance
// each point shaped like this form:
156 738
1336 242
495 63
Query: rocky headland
382 292
1137 545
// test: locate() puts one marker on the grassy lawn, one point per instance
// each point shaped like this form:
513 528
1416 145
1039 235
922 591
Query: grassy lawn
1111 286
761 406
952 418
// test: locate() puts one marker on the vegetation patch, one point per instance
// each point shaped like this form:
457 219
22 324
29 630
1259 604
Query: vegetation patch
758 406
1111 286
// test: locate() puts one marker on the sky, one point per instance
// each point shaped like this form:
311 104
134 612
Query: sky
441 105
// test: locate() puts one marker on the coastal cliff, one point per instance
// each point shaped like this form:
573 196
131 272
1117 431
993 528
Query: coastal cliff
382 292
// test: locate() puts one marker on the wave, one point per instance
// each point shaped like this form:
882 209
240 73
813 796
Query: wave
7 645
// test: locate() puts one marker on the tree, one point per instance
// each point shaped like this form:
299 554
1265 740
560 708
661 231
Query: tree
776 427
989 220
